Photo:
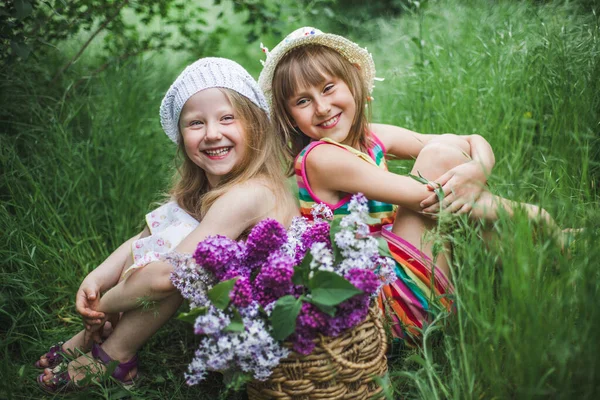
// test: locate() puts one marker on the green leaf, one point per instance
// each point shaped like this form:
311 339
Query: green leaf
335 228
283 317
301 272
20 49
219 294
192 314
236 324
419 178
439 192
330 289
329 310
23 8
384 249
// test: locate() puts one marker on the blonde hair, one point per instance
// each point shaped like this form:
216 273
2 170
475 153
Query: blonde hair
307 66
262 159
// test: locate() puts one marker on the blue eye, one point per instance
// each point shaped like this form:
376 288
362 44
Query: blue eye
328 88
301 102
193 123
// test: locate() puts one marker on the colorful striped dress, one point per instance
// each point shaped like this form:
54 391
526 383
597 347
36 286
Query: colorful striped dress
417 294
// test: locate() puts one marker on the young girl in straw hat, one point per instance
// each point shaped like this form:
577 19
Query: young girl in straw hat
319 85
230 179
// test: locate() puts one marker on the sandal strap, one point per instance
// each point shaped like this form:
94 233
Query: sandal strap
122 370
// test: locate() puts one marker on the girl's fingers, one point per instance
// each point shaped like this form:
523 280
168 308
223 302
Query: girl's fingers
455 206
436 207
465 209
429 201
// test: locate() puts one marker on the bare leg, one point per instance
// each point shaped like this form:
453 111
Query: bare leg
134 329
434 160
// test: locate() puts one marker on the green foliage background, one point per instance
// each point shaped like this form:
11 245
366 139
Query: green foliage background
83 158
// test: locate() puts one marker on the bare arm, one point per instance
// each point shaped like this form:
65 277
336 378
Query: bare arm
406 144
333 169
230 215
105 276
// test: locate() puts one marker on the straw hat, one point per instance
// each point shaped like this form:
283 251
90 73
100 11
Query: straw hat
308 35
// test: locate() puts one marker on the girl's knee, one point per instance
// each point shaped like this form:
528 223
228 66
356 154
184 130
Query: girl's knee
452 140
438 156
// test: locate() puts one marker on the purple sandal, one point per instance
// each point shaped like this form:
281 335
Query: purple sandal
61 382
55 356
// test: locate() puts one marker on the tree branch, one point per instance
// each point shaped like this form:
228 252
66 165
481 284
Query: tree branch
86 44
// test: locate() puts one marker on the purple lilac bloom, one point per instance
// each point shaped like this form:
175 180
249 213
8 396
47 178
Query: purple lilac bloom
349 314
319 232
302 344
266 237
310 322
363 279
218 254
241 294
311 317
274 279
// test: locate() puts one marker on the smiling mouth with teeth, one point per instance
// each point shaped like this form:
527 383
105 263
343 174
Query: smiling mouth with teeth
220 152
330 122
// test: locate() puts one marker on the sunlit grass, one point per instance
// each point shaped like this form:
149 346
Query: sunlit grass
81 166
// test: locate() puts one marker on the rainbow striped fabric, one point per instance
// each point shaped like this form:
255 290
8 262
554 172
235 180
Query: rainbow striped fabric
420 290
382 212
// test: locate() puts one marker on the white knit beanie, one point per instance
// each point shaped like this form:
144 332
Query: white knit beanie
206 73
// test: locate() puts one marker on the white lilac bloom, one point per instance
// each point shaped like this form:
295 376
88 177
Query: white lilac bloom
359 205
252 350
214 321
322 257
320 212
294 234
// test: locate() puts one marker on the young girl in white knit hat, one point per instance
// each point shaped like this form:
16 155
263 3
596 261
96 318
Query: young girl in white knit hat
230 179
319 85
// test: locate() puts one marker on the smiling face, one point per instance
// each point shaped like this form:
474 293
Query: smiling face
318 93
324 110
213 137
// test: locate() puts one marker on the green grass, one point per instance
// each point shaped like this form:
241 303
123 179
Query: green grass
81 166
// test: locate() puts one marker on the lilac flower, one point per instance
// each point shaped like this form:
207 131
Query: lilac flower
302 344
266 237
294 246
320 212
274 279
252 350
214 321
322 257
359 205
363 279
264 266
191 281
241 294
318 233
218 254
349 314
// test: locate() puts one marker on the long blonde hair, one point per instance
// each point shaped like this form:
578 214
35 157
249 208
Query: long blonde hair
262 159
307 66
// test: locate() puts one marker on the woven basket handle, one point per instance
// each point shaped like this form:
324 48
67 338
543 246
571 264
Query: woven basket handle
380 353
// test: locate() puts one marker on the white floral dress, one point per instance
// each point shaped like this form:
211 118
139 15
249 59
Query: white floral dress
168 226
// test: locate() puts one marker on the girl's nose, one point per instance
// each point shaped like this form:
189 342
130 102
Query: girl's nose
213 132
322 107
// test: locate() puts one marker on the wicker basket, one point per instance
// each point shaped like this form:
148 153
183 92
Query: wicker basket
338 368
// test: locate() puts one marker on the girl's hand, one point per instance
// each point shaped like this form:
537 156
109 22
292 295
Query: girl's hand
86 303
462 186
